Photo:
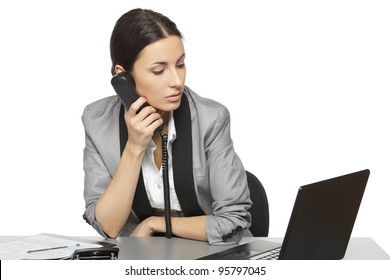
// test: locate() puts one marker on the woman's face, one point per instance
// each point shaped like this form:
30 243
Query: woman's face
159 73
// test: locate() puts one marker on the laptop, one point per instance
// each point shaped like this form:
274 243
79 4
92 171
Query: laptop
320 225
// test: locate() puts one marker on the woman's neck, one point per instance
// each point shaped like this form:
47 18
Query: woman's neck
165 116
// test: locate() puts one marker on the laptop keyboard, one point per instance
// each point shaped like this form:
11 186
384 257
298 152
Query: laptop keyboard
269 255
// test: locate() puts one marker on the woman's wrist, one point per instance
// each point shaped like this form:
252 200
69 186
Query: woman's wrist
134 150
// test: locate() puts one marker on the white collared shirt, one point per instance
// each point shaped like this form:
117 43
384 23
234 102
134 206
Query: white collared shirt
153 176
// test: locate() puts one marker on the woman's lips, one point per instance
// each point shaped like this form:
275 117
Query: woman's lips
174 97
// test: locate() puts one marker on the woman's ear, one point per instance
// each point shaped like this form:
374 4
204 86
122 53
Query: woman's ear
119 69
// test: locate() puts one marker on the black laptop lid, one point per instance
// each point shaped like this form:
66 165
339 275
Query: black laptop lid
323 217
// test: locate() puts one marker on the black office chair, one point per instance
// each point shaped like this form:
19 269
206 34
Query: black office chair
259 209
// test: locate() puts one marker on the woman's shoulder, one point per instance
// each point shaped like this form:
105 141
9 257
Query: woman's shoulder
101 109
205 107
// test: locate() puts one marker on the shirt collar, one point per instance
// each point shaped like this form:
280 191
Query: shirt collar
171 128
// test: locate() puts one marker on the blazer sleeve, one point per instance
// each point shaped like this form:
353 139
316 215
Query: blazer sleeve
228 185
96 178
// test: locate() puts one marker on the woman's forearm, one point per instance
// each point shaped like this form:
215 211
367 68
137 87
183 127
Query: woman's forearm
114 206
185 227
190 227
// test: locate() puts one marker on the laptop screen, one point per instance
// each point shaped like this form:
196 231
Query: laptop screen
323 217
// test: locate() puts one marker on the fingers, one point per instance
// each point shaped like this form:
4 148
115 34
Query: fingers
151 121
137 105
143 230
147 120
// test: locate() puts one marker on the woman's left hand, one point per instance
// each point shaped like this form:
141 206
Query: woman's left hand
148 227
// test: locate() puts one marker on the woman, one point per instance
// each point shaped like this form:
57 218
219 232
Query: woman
122 157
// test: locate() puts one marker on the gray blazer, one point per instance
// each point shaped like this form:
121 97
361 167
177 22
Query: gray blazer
219 176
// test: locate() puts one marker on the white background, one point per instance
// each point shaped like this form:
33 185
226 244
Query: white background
306 83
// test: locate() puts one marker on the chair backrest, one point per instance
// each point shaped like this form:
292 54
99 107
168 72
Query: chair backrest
259 209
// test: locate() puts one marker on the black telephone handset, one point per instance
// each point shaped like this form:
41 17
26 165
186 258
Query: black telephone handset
124 86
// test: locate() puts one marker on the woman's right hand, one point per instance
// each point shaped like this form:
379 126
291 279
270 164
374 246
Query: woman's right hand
141 126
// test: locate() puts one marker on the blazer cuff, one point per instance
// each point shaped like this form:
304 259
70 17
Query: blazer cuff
219 236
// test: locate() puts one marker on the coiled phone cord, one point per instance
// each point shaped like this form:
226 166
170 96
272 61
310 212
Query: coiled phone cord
167 201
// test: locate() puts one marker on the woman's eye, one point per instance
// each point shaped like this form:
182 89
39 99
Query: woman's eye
158 72
181 65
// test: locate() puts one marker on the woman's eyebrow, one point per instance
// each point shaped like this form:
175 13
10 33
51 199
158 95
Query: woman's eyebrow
182 57
166 63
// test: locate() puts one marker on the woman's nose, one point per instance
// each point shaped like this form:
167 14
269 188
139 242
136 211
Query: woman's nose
176 78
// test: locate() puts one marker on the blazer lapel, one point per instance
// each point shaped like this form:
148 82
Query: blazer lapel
182 161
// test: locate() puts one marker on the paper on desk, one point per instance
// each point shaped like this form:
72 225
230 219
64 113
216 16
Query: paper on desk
18 249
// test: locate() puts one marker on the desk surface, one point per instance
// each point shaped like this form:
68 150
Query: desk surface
161 248
176 248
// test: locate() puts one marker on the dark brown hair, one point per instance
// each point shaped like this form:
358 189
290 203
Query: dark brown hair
134 31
